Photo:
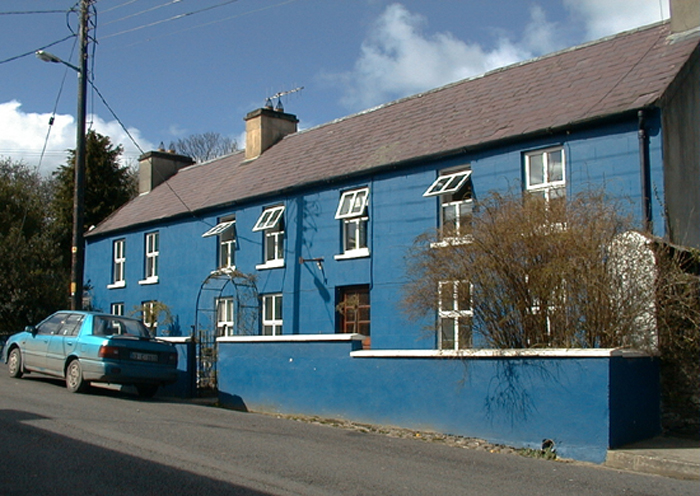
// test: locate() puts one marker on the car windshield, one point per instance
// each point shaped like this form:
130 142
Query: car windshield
116 326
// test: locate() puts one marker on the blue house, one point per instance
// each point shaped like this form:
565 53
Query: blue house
283 264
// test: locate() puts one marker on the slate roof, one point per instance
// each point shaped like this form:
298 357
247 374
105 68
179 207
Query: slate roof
618 74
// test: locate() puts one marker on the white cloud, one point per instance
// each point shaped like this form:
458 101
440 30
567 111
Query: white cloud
22 137
606 17
399 59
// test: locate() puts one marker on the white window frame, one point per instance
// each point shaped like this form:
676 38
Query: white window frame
117 308
448 183
446 186
225 230
352 212
225 316
118 264
271 223
547 186
448 292
147 309
269 218
273 322
152 253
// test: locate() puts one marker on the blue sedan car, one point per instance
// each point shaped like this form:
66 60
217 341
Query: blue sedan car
85 347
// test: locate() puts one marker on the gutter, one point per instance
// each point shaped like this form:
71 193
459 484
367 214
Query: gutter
645 171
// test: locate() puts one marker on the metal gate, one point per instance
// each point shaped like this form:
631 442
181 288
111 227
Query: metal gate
243 290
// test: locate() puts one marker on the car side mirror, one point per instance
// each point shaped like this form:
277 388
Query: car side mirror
30 329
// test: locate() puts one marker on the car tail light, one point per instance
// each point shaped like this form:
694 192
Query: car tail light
107 351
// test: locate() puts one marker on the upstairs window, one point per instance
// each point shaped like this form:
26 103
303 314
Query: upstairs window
352 214
118 264
455 192
152 252
271 223
454 315
545 173
226 232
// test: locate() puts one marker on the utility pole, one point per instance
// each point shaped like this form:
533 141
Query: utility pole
78 243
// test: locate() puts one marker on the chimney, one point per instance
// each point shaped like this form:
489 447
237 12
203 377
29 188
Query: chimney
685 15
265 127
157 167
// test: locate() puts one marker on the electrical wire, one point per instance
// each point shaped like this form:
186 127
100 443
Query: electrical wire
119 6
32 52
179 16
144 11
211 22
22 12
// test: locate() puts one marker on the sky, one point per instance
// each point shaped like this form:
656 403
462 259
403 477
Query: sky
168 69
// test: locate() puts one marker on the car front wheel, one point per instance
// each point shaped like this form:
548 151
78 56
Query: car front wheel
14 363
74 378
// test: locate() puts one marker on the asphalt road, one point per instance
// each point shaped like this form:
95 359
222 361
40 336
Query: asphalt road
112 443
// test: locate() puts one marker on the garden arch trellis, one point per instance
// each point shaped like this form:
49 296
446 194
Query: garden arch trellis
217 285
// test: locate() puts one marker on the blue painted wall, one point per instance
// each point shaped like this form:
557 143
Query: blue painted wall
605 156
518 402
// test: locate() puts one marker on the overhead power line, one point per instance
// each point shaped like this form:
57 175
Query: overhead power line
32 52
173 18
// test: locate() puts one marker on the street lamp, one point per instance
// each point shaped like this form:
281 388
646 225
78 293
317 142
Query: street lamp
78 244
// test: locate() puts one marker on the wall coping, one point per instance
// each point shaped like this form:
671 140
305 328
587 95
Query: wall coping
287 338
468 353
175 339
511 353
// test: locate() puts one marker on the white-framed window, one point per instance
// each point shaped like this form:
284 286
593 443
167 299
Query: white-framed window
272 314
149 315
224 316
118 264
454 315
152 252
271 223
545 173
352 214
117 308
455 192
226 232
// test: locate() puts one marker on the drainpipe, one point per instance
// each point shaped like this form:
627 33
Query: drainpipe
645 172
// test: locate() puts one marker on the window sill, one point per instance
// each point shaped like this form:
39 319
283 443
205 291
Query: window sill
270 264
150 280
231 269
348 255
117 285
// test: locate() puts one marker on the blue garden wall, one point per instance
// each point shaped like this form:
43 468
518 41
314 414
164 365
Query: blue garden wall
586 402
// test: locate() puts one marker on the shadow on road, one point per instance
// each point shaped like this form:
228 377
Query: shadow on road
37 461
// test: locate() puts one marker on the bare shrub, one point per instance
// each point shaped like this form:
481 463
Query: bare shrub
567 274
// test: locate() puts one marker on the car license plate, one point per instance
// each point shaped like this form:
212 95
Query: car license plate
144 357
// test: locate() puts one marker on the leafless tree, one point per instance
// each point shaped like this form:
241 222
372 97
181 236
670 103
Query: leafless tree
542 273
205 146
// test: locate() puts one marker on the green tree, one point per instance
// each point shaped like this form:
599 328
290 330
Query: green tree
33 282
108 185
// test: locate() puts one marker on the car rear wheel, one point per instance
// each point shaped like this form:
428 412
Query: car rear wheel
146 390
14 363
74 378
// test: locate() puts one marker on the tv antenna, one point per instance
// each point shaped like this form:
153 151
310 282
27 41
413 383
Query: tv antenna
279 107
